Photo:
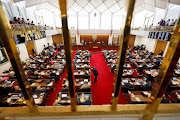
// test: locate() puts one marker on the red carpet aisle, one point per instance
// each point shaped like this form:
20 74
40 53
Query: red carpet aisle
102 89
52 96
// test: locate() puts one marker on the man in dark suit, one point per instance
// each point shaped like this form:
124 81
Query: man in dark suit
128 85
164 100
95 72
147 86
64 89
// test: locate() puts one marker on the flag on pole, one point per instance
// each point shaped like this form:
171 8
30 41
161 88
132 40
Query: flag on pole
77 32
111 33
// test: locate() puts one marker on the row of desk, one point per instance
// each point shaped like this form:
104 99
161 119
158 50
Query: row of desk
82 76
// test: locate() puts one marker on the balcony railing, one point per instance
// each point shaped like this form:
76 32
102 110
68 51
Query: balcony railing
155 28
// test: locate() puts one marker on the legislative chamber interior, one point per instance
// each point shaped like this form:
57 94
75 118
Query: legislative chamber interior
96 34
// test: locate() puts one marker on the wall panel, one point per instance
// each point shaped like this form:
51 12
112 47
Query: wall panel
30 46
57 38
100 38
131 40
23 51
161 45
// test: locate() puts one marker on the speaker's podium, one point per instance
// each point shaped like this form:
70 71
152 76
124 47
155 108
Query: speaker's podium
95 45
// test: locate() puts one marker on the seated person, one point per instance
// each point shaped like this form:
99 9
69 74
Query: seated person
154 74
39 89
64 89
42 67
156 66
135 73
85 86
75 68
56 66
53 73
36 74
64 80
17 89
129 85
147 86
87 101
164 100
103 43
145 66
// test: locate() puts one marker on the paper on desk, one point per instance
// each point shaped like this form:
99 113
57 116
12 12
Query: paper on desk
132 95
137 83
64 95
85 80
37 101
82 82
175 82
33 84
63 101
57 73
81 72
137 99
178 96
82 100
50 84
148 72
148 94
9 100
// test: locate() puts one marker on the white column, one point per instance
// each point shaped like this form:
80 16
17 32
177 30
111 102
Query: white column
166 48
78 39
111 19
100 20
89 20
110 39
77 21
54 17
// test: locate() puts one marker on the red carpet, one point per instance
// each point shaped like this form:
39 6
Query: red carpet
102 89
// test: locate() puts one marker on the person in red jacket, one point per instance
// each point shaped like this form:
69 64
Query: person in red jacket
135 73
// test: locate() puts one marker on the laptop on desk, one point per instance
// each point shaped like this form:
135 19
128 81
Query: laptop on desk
64 97
35 96
8 83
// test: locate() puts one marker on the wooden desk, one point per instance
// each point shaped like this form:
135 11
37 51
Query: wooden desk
20 101
139 96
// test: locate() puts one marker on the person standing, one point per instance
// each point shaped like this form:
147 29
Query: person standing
95 72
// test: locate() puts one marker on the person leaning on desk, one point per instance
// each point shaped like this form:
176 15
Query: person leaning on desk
87 101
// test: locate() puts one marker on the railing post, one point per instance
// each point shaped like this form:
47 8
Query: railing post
165 73
122 51
9 43
68 49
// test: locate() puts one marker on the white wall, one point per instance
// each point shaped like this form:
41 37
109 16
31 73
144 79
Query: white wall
39 44
18 10
110 39
150 43
160 14
4 67
49 40
173 12
138 20
23 51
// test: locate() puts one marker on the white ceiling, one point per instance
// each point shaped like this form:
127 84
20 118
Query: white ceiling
99 5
